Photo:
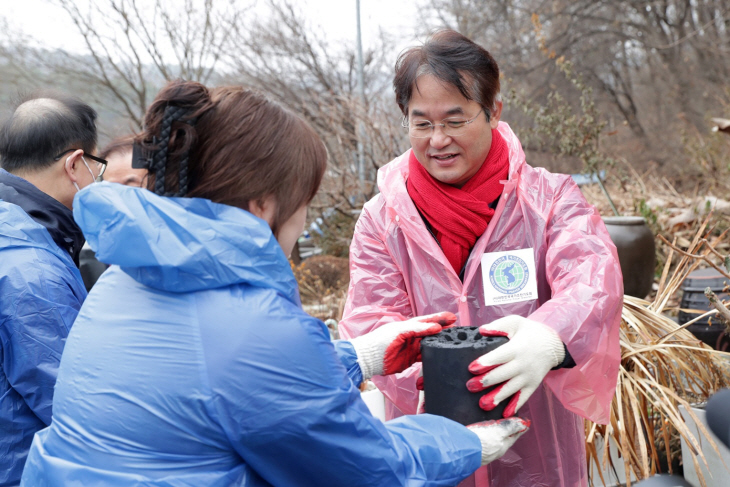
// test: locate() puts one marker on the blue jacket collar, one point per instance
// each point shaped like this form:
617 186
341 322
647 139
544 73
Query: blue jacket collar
44 210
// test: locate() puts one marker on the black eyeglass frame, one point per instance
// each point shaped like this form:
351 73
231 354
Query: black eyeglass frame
101 161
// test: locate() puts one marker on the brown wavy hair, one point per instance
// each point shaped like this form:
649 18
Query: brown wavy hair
244 147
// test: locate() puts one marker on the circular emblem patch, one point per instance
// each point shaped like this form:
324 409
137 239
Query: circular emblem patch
509 274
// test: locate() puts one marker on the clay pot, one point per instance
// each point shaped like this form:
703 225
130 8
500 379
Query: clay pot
446 358
636 252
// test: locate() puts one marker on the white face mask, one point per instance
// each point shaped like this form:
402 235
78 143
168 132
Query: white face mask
94 178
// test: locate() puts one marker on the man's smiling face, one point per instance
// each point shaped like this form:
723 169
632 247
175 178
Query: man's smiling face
451 160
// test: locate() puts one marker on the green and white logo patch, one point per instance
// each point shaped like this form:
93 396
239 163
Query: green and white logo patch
509 277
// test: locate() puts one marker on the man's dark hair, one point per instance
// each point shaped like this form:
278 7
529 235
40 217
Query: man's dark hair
42 126
454 59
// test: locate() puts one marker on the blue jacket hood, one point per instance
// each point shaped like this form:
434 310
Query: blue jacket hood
181 244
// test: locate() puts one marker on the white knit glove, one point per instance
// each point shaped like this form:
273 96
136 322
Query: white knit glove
498 436
519 366
396 346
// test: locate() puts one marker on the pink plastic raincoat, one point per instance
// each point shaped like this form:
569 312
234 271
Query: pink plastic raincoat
399 271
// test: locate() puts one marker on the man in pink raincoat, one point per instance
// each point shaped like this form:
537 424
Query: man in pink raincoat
463 224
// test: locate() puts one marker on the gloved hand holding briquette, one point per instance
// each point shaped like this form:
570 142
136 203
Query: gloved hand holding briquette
396 346
498 436
518 366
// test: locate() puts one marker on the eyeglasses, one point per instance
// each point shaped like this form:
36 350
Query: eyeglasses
453 126
100 163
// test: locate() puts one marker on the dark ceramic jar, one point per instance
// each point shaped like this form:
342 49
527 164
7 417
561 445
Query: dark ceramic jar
446 358
636 252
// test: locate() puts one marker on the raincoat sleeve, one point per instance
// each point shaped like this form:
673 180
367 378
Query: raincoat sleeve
373 272
585 307
291 412
347 355
39 307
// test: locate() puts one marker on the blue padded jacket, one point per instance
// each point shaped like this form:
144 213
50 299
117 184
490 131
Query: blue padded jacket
192 363
41 292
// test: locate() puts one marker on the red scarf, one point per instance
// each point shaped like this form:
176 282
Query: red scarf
459 216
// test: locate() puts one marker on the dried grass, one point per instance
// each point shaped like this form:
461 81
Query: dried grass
662 366
323 282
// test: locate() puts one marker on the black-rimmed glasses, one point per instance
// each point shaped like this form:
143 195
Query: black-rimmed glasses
100 163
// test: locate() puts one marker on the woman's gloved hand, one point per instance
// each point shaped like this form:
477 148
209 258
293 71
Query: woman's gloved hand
396 346
519 365
498 436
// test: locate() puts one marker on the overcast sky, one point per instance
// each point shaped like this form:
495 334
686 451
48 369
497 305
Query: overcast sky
51 26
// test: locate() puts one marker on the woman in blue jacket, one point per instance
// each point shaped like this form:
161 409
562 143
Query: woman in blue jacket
192 362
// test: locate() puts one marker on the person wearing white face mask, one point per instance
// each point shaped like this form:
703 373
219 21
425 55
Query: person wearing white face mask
46 149
100 166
